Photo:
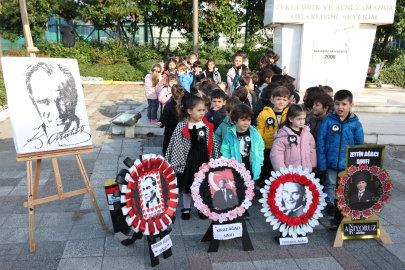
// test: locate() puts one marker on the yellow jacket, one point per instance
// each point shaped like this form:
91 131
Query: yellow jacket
267 125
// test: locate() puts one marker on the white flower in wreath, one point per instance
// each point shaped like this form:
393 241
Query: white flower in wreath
205 210
246 203
213 215
239 210
198 203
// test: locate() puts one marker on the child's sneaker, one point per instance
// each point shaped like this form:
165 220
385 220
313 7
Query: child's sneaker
246 215
149 120
330 209
154 121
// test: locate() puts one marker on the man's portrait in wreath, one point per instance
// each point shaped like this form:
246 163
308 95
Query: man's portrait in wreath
294 199
224 196
150 192
362 195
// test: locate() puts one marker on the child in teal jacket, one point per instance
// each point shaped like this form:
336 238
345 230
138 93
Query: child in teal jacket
226 124
243 142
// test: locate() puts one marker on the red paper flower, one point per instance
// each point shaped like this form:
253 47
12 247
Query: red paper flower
310 213
315 201
363 167
297 221
315 194
351 170
367 213
387 187
273 189
284 219
385 198
341 202
344 179
282 180
312 187
377 207
288 177
304 219
275 183
278 215
296 178
303 180
290 221
355 214
272 196
346 210
340 191
374 170
383 176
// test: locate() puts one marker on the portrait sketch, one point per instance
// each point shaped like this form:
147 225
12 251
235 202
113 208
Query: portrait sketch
150 196
47 108
293 199
223 190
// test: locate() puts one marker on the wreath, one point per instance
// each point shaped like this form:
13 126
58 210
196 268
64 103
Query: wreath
287 221
156 217
381 178
204 185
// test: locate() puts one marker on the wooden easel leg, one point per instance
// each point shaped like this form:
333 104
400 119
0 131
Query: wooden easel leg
31 207
36 180
90 191
383 234
57 177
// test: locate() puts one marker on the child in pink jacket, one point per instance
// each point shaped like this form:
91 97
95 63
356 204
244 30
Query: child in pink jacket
152 91
166 92
293 142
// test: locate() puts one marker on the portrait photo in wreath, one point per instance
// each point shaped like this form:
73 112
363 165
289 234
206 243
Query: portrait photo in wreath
223 190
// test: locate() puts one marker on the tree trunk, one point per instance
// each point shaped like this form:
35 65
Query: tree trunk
251 39
119 31
45 35
170 37
160 39
1 47
125 34
151 35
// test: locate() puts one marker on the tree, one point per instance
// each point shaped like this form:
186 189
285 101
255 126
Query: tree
395 30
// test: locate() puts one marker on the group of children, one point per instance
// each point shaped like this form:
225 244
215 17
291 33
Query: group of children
254 118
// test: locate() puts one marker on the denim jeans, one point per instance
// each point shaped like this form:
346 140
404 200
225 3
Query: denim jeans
330 185
153 106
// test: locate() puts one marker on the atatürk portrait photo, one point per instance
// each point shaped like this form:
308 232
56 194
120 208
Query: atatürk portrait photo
294 199
150 192
362 195
223 184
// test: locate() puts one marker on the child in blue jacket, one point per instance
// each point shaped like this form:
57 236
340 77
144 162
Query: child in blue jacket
244 143
185 79
338 130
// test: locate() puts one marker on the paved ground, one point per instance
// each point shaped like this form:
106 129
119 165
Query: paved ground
68 235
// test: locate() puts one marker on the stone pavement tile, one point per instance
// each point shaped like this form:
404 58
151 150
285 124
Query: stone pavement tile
8 258
21 220
84 248
153 150
232 256
299 253
5 190
37 264
89 217
57 219
105 167
99 193
43 250
92 263
123 262
199 261
398 250
259 255
43 177
114 248
318 263
395 233
14 174
364 260
13 235
12 208
233 266
87 204
6 265
87 231
281 264
57 233
10 181
11 249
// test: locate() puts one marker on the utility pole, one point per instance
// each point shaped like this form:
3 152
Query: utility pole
1 46
195 26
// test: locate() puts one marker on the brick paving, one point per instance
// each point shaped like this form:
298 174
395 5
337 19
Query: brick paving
68 235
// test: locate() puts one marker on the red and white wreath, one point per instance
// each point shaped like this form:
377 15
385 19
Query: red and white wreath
386 185
155 217
273 196
243 175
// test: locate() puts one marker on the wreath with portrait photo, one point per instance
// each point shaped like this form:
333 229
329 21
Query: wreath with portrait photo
363 191
292 201
150 195
222 189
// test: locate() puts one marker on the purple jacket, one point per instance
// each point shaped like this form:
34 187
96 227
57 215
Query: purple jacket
298 150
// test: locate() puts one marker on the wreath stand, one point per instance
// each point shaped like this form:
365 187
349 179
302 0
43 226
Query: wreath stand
214 243
33 185
383 234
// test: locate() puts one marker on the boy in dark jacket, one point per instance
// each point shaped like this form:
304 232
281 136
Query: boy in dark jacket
264 101
217 113
198 75
169 119
322 107
339 129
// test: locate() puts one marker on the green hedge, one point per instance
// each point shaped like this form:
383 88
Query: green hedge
393 71
117 72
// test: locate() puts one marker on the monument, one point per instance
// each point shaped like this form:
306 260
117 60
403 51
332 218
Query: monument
327 42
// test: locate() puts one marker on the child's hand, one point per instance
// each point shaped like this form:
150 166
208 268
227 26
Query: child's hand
240 72
285 70
292 100
215 108
159 124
